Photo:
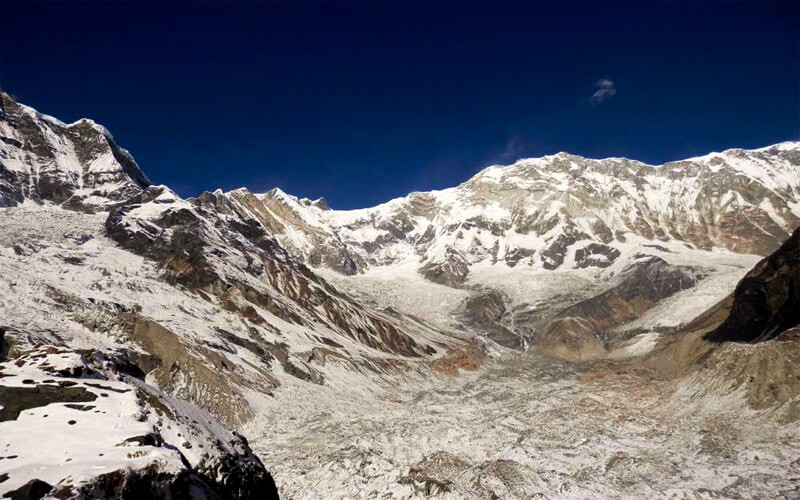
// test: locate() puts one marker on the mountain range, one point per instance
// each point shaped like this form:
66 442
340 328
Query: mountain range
557 326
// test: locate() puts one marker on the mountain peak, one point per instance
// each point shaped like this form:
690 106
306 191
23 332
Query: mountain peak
78 166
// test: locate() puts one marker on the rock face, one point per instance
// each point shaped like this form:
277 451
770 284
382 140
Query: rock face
488 312
766 303
77 166
84 424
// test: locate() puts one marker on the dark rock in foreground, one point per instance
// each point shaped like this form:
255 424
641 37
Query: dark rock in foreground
78 425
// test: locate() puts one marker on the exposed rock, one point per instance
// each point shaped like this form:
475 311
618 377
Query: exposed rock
595 255
452 271
32 490
553 255
131 484
766 302
34 149
487 312
18 399
4 347
580 331
515 256
188 374
133 426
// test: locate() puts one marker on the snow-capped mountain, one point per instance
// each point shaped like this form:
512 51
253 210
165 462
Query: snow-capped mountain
196 292
77 166
559 211
400 350
568 223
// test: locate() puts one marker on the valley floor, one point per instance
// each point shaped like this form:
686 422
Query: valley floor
529 427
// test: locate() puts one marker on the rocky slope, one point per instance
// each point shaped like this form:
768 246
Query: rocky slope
84 424
750 341
766 303
584 330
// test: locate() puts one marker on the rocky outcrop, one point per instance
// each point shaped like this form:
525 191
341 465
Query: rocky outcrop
552 256
108 434
766 302
450 271
595 255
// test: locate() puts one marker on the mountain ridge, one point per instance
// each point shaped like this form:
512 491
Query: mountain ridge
458 335
77 165
775 208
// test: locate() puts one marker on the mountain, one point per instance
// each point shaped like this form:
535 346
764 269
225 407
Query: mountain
77 166
559 211
197 293
568 223
445 341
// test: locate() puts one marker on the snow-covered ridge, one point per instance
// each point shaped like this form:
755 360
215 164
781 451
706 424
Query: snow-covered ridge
746 201
76 165
527 239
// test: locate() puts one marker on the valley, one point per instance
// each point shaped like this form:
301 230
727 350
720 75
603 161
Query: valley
561 327
528 426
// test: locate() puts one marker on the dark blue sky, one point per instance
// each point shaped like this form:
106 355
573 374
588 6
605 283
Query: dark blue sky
363 102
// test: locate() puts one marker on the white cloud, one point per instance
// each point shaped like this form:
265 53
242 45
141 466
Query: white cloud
512 150
604 90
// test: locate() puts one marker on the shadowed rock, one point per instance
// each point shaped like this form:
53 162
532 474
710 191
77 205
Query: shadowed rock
766 301
15 400
32 490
